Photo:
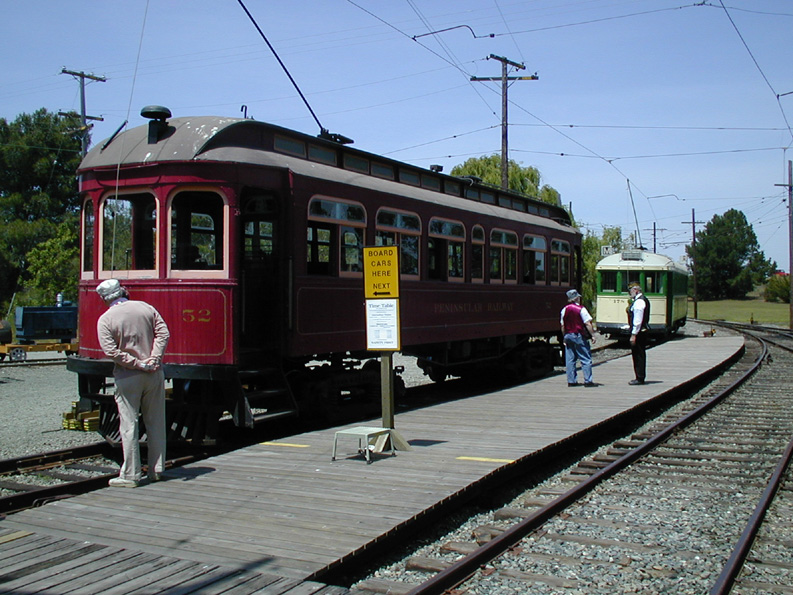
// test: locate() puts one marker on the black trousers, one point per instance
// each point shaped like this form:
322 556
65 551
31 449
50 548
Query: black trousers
639 355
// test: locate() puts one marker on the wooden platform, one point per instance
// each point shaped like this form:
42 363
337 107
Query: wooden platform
284 509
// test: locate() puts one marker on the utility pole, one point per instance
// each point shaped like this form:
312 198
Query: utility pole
790 232
693 257
504 78
83 128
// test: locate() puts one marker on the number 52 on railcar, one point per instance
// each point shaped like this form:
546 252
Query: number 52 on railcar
248 238
663 280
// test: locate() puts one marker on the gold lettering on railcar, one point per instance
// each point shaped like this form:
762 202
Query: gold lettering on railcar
190 315
472 308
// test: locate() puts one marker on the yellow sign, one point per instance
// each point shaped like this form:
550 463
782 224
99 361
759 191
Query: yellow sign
381 272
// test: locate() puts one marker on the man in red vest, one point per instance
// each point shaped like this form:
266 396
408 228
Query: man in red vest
577 331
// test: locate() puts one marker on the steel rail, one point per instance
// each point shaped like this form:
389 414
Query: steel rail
461 570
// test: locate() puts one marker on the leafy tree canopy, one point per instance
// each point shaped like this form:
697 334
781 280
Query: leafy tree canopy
728 259
39 156
521 179
590 251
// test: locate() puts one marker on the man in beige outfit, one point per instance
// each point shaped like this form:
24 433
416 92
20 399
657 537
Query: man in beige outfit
134 335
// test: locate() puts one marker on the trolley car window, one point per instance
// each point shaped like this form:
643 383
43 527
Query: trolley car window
128 233
654 281
319 249
534 248
446 249
431 182
396 228
335 235
352 249
197 231
560 262
451 187
383 171
608 281
88 236
284 144
409 177
628 277
488 198
478 254
503 256
356 163
321 154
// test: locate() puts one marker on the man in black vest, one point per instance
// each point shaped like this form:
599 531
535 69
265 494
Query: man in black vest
639 321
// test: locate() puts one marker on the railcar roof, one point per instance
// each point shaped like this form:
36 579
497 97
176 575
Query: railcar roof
640 259
211 138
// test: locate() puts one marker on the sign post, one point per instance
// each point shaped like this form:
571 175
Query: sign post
381 289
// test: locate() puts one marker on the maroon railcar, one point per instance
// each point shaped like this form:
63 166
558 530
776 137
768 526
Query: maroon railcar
248 238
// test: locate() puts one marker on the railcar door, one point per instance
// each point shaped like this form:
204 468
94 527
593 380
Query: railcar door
261 293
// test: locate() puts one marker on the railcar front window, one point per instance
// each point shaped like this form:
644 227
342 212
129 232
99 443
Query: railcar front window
608 281
197 231
129 224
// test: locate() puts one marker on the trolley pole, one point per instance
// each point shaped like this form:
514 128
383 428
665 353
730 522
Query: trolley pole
83 128
789 186
504 104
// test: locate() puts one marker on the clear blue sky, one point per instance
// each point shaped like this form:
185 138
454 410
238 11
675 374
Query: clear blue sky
685 100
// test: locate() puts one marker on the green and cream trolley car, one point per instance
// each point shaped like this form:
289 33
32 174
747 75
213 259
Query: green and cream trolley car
664 282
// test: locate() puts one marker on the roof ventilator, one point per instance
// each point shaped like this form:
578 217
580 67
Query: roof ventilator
158 125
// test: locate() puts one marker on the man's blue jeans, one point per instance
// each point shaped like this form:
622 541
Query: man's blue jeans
577 348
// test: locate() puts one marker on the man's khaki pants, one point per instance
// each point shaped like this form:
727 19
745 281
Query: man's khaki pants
142 392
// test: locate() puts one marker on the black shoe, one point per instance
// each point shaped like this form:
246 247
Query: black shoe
573 384
636 382
589 384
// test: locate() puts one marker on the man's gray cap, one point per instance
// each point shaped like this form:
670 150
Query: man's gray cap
110 289
572 295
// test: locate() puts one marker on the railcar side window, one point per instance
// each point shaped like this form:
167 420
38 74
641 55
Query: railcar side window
129 223
197 231
503 256
534 249
88 236
319 249
396 228
560 262
478 254
446 249
335 234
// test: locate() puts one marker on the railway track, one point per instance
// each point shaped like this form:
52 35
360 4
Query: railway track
659 511
34 480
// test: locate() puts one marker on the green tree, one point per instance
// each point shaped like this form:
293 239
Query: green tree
729 262
777 289
525 180
39 156
54 267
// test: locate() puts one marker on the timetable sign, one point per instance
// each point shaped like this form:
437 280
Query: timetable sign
381 272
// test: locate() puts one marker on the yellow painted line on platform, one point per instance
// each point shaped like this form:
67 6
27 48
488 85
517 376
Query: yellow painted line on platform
485 460
14 536
286 444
